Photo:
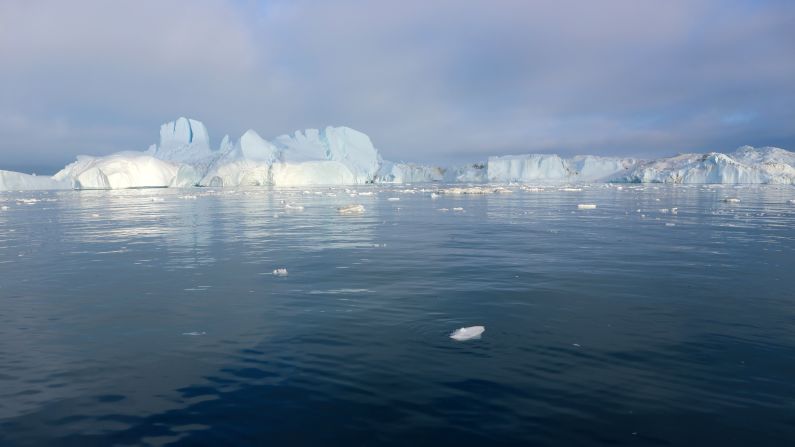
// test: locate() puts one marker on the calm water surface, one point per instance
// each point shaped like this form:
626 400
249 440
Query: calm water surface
151 317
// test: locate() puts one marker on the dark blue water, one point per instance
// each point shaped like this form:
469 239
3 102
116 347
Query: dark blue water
143 317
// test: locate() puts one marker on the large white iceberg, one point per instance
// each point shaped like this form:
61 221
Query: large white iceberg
332 156
746 165
553 168
117 171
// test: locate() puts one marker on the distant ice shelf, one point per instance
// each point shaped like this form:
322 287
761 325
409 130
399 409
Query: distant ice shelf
344 156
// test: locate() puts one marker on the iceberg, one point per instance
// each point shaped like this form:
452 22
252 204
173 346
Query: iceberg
472 173
183 157
553 168
746 165
333 156
13 181
468 333
391 172
117 171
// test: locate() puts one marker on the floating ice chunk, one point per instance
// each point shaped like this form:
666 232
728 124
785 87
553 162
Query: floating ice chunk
351 209
393 199
434 195
293 207
280 272
467 333
570 189
670 224
4 208
674 210
586 206
791 201
194 333
458 208
731 200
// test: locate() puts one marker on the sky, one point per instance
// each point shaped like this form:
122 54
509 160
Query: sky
434 82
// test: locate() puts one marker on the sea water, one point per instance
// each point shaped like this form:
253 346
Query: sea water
664 315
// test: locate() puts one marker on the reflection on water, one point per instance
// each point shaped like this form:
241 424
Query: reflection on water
151 316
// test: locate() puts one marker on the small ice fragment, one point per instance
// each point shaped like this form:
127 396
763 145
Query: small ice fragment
674 210
670 224
576 345
434 195
4 208
791 201
570 189
158 199
292 206
393 199
467 333
586 206
194 333
458 208
731 200
351 209
280 272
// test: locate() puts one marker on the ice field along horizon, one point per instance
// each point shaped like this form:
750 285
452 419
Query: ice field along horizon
662 315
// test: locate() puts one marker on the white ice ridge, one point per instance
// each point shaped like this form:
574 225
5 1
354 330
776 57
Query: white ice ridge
467 333
343 156
746 165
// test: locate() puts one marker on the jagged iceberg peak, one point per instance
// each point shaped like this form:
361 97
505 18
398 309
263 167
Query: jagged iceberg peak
184 140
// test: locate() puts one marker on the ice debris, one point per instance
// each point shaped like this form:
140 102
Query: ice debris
351 209
467 333
586 206
280 272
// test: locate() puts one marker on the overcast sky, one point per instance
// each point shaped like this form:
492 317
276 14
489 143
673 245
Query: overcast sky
431 81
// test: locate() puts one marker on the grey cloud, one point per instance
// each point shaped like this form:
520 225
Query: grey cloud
429 81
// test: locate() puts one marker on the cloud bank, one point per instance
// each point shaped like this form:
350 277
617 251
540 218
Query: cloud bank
428 81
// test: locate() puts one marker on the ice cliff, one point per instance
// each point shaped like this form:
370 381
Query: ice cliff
553 168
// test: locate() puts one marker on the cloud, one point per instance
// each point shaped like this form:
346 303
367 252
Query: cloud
429 81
